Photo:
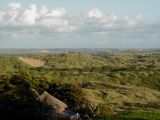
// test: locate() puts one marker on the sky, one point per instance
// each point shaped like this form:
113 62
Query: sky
79 24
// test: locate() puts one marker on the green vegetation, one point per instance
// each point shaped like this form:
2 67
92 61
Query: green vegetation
116 85
140 115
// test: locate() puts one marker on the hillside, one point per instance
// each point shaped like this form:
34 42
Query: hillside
72 60
123 97
119 85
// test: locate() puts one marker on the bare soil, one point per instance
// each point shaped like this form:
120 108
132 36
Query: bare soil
32 62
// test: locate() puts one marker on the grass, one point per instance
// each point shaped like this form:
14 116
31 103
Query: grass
139 115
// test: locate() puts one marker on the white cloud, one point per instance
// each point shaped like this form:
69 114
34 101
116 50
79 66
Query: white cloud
55 19
2 14
109 21
59 12
30 15
95 13
15 6
43 11
130 23
9 15
13 12
60 20
58 25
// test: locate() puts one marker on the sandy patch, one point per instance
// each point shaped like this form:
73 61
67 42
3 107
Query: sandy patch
31 61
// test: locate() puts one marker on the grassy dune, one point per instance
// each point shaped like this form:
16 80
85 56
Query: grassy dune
119 85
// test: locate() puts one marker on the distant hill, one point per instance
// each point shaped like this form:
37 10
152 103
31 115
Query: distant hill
62 50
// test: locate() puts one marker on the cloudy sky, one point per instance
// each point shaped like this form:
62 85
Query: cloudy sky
79 23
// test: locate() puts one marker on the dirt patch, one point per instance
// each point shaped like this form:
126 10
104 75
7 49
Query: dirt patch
31 61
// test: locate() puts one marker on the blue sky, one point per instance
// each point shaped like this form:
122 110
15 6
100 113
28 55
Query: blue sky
79 24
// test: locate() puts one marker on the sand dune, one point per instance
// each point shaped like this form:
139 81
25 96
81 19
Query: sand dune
31 61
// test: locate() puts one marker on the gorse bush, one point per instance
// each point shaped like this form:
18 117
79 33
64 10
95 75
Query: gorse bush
17 101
